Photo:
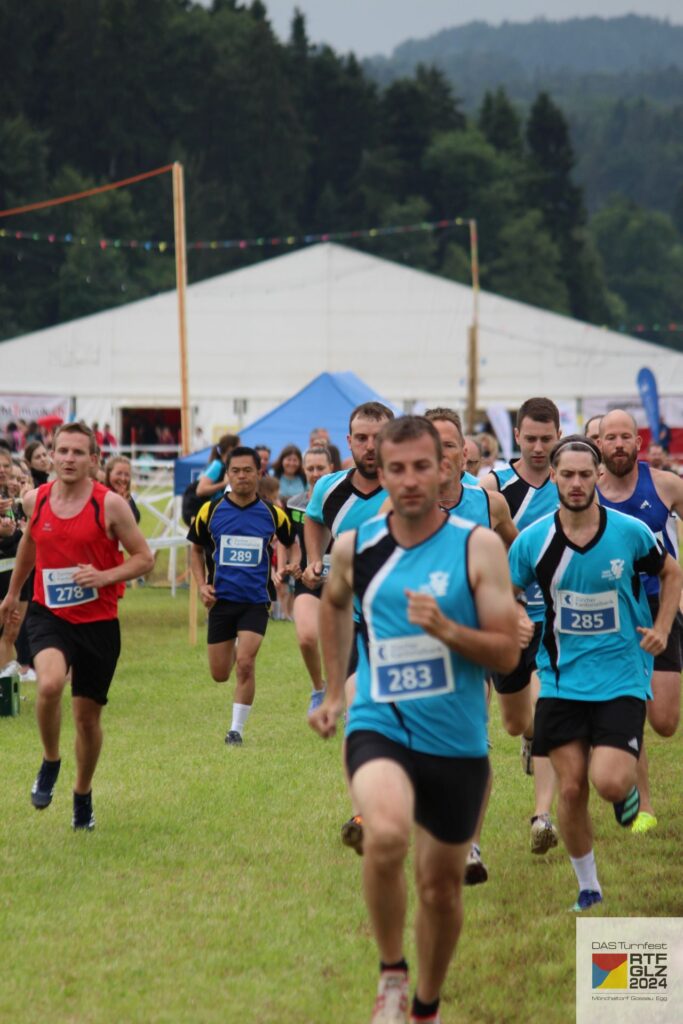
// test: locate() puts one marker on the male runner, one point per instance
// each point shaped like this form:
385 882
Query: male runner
487 508
340 502
530 494
75 526
592 428
316 464
436 607
230 560
650 495
595 658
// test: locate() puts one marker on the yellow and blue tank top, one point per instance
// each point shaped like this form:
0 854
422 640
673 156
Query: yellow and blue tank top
237 541
410 687
594 600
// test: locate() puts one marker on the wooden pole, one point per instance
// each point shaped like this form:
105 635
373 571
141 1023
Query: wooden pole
473 333
181 285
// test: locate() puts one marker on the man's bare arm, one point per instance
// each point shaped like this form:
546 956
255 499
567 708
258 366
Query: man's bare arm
336 633
501 520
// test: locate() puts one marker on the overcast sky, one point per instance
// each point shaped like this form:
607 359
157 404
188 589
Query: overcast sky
377 26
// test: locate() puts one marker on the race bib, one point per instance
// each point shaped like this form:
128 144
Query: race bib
534 595
588 614
327 562
243 551
62 592
410 667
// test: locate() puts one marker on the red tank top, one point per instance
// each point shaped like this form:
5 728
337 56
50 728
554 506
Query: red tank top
63 544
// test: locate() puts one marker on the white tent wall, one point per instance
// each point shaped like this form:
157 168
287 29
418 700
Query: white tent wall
259 334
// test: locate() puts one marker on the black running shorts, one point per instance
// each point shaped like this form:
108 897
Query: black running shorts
228 618
448 790
91 649
605 723
520 676
671 658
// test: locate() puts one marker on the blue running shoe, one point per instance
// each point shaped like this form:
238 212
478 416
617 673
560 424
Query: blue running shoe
317 697
587 899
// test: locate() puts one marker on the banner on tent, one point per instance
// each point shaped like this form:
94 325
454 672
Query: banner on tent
670 409
33 407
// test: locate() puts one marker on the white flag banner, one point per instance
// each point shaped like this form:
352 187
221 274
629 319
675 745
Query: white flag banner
499 418
32 407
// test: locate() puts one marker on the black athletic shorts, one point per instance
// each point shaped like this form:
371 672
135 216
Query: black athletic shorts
448 790
520 676
228 618
301 588
91 649
671 658
602 723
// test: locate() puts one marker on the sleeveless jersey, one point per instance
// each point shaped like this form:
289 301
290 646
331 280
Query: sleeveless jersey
336 504
296 509
594 601
63 544
410 687
527 504
474 505
646 505
237 542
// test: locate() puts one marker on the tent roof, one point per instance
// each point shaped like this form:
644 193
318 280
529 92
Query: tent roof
262 331
326 401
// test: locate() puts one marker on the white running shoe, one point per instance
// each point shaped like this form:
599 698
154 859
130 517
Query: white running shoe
391 1004
543 834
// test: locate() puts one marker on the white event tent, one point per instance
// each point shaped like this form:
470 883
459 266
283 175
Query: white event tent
259 334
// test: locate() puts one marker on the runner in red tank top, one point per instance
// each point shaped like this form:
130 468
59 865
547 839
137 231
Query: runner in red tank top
75 528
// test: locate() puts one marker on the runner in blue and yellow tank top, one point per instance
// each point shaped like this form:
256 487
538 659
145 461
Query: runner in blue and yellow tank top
596 654
436 607
530 494
653 497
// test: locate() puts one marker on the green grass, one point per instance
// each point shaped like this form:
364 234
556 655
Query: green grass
215 889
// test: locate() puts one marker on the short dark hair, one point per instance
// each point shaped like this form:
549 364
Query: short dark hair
241 450
408 428
543 410
589 421
575 443
77 428
443 413
371 411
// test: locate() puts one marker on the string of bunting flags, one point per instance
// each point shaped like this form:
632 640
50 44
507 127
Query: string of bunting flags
237 243
265 241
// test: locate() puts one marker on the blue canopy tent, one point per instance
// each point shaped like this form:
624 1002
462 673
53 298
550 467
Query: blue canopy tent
325 402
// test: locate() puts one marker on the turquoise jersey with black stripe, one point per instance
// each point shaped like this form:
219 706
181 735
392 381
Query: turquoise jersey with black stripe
410 687
594 602
527 505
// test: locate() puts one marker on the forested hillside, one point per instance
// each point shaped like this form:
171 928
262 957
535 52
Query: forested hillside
289 139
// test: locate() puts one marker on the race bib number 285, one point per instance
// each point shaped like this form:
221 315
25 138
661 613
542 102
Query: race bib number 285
588 614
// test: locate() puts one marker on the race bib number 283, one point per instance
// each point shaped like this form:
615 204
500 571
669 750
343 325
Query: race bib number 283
406 668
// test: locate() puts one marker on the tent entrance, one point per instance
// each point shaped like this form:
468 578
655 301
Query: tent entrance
145 427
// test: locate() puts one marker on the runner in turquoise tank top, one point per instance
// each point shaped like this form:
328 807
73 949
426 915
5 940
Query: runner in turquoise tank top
436 607
597 649
530 494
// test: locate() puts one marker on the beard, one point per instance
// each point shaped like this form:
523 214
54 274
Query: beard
369 474
621 468
590 498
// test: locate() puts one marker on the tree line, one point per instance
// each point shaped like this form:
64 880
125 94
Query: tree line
286 139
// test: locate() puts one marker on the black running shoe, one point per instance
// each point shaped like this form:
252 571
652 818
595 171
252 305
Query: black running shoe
84 818
626 810
233 739
44 786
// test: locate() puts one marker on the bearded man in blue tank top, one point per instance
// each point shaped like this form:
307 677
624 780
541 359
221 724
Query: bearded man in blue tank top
436 607
653 496
596 653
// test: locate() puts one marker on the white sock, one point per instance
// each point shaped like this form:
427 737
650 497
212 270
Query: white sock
586 872
240 714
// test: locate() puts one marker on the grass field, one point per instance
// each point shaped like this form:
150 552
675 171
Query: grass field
215 889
